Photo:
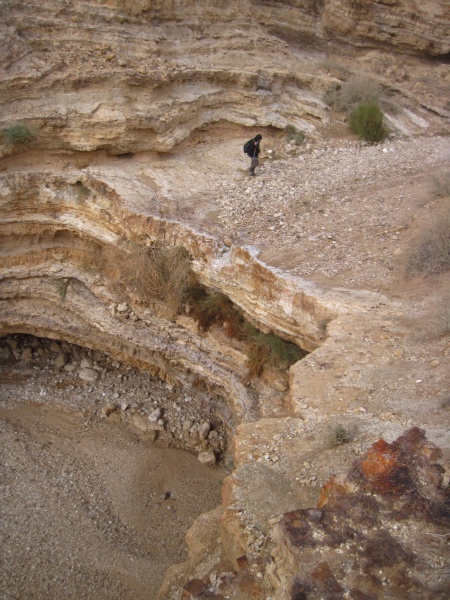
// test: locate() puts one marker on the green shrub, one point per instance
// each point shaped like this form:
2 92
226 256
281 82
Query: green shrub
294 134
366 120
429 252
17 135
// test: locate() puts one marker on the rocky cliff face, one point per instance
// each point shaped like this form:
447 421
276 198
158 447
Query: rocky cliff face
143 76
137 111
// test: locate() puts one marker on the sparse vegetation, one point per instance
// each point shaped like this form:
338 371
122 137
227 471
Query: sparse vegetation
264 349
361 97
268 349
17 135
355 91
294 135
215 309
158 273
337 436
430 250
441 183
366 120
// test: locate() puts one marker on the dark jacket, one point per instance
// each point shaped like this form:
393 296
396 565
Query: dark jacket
254 149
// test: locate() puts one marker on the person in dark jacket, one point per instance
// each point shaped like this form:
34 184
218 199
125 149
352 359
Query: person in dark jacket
253 151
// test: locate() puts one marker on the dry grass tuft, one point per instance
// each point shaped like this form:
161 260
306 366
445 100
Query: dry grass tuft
358 90
430 251
215 309
436 322
269 350
441 183
337 436
157 273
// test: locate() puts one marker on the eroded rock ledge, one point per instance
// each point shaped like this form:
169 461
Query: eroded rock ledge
52 286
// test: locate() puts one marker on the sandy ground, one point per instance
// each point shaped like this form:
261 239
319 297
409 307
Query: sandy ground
90 508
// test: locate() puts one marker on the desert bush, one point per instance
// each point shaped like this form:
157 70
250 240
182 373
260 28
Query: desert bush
429 252
366 120
337 436
294 135
264 349
157 273
436 322
17 135
216 308
441 183
358 90
269 350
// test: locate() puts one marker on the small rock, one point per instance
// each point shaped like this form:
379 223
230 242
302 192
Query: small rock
60 361
88 375
122 308
203 430
27 354
124 406
207 457
86 363
140 422
154 426
155 415
12 343
5 352
108 409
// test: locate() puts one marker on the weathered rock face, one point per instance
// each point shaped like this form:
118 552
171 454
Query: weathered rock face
142 76
415 27
62 244
408 26
378 532
371 531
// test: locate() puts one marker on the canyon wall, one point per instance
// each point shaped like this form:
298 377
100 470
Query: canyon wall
131 106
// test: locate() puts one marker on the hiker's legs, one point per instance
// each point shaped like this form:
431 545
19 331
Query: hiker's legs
255 163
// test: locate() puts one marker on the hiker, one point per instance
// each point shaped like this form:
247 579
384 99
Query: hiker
252 149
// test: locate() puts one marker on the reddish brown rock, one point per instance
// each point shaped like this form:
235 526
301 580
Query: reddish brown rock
382 527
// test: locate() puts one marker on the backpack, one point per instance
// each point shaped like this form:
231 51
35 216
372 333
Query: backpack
247 146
